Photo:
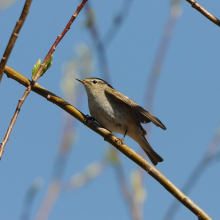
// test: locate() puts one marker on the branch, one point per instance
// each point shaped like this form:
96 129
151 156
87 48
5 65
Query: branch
160 56
108 136
119 19
128 197
36 77
98 44
102 58
14 36
159 59
59 38
29 198
203 11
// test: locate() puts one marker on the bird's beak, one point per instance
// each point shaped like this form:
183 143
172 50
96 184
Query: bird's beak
80 80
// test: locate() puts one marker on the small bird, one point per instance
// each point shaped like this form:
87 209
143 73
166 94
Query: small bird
119 114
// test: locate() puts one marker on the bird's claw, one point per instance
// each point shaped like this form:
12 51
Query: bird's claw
119 141
88 117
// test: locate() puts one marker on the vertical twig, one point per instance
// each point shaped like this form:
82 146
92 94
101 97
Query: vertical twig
98 45
29 199
59 38
105 74
117 22
37 76
158 62
14 36
160 56
128 197
54 188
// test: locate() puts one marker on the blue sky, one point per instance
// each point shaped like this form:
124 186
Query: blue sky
186 101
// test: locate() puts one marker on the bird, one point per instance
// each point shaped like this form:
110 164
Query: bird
119 114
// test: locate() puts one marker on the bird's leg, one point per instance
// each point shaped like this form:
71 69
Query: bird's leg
121 140
88 117
124 136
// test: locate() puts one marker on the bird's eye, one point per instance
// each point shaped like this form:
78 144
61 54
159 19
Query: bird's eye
94 81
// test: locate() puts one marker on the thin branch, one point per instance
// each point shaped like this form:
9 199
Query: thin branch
66 144
101 53
29 198
109 137
14 36
117 23
56 187
92 171
160 56
204 12
59 38
13 120
37 76
49 199
158 62
190 183
132 205
98 44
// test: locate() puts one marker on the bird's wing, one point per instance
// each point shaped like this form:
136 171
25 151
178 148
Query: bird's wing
143 115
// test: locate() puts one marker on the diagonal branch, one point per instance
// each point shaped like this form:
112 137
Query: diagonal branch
151 170
14 36
203 11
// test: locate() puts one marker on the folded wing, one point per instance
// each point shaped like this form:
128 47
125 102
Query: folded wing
143 115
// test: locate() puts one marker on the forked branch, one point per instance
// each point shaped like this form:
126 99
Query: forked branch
36 77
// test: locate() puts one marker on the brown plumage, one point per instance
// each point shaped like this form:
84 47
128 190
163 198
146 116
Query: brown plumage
119 114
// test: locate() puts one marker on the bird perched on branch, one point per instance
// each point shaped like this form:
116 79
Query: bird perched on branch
119 114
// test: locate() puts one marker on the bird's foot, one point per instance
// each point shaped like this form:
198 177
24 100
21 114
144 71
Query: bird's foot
88 117
119 141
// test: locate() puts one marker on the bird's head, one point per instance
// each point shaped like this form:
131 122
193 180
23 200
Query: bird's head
94 85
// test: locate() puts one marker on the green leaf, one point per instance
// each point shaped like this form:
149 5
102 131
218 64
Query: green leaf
36 68
47 65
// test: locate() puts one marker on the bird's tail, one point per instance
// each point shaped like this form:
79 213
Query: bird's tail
153 156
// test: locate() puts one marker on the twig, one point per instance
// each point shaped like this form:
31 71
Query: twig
14 36
49 199
92 171
101 52
151 170
56 187
37 76
116 23
133 207
98 44
29 198
67 141
59 38
158 62
203 11
160 56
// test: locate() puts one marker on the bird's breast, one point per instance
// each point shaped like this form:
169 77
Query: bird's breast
107 114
